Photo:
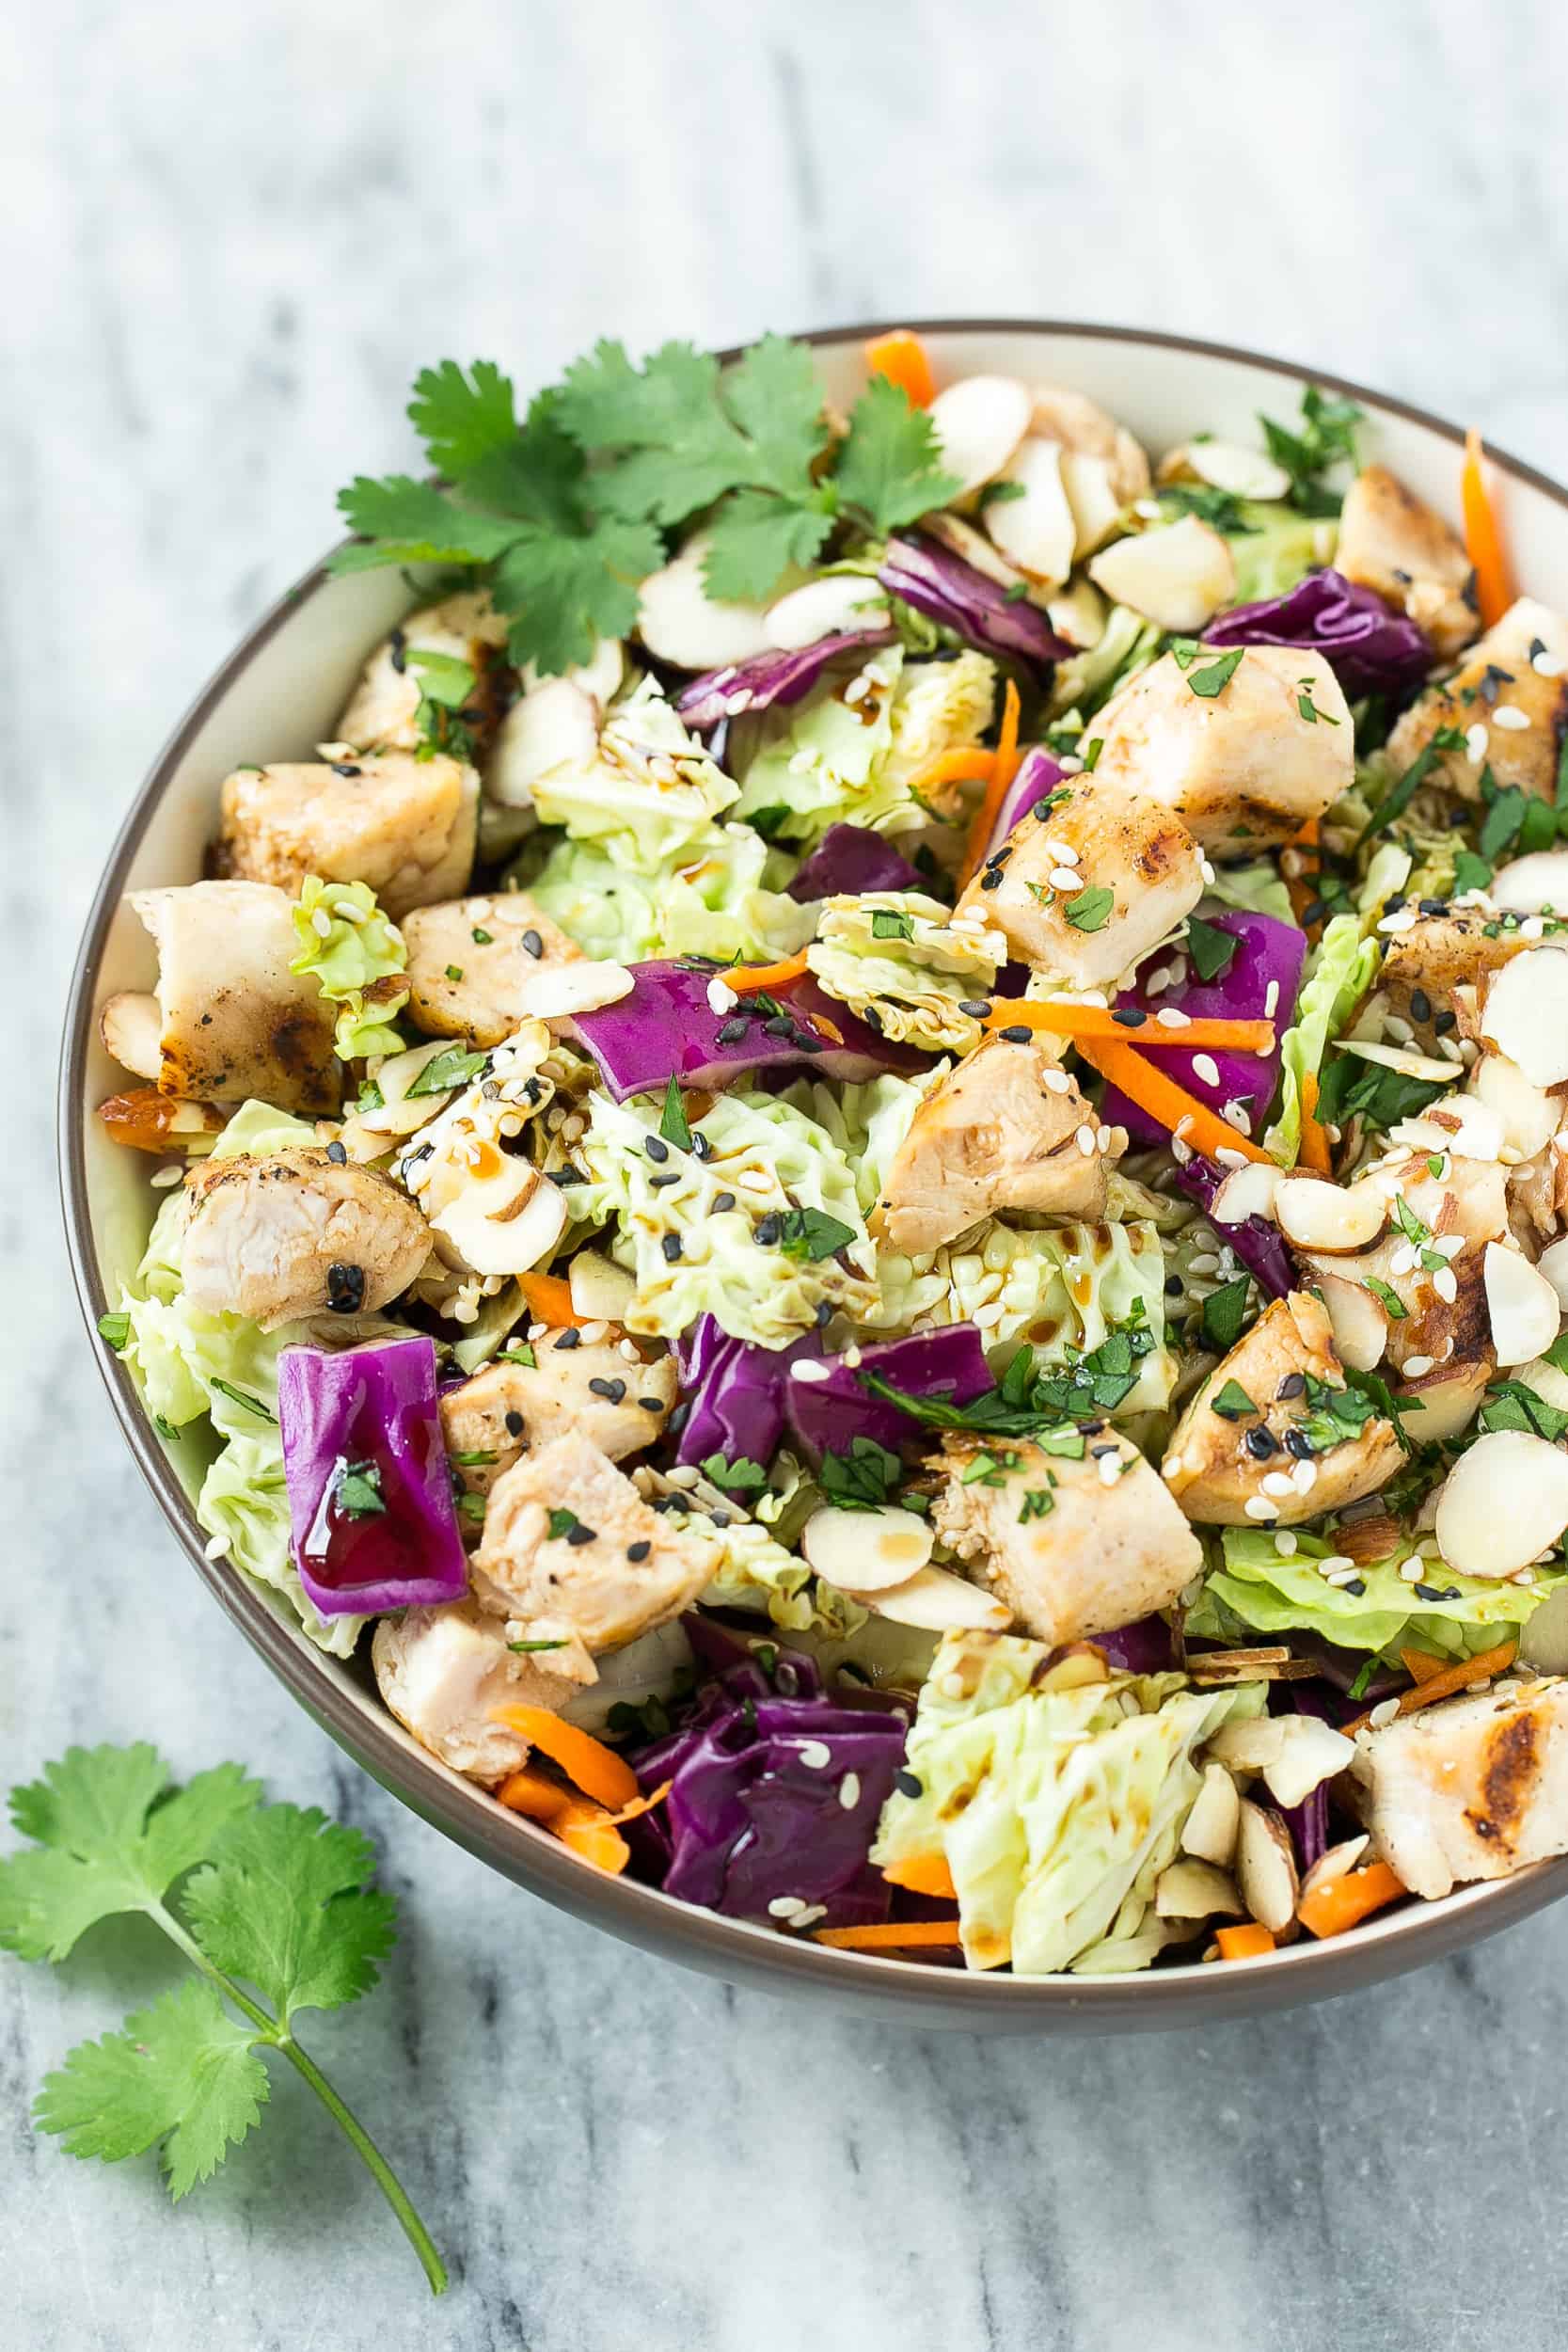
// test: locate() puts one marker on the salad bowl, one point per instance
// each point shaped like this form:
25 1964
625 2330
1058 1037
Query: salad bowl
282 686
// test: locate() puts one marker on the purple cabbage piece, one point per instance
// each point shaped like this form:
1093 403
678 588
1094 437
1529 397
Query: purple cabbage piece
827 1415
1037 777
946 589
754 1815
1141 1649
769 679
850 859
735 1391
1259 1245
1269 953
666 1028
1369 648
368 1408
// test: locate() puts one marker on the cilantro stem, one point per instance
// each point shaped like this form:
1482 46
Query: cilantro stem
278 2037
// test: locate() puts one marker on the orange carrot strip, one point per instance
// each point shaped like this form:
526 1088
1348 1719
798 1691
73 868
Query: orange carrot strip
1482 538
1301 887
747 979
590 1833
597 1771
1330 1909
1200 1128
923 1874
1248 1943
972 767
550 1299
1314 1152
1485 1667
896 1935
1004 766
1076 1021
643 1805
901 357
1421 1665
530 1792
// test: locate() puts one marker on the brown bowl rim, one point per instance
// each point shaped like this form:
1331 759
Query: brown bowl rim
642 1915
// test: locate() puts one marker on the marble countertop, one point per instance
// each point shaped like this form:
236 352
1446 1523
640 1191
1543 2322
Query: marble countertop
229 237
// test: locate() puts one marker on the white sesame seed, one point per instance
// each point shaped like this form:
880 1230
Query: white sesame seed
1064 877
1403 1261
1270 1000
721 999
1057 1081
1084 1141
1235 1115
1157 982
1533 927
1474 743
1340 1577
347 911
1400 1031
850 1791
1181 1152
1450 1049
1445 1283
1206 1068
1259 1507
1169 1018
1110 1469
1206 1262
1285 1544
1414 1569
1524 1576
1305 1477
1509 716
1225 1157
735 704
162 1178
1383 1712
537 1330
1103 1138
983 1317
1206 869
1547 664
1448 1244
1334 1563
1403 920
809 1370
591 1333
682 1475
786 1906
815 1755
216 1546
321 922
629 1351
1060 853
1414 1366
1278 1483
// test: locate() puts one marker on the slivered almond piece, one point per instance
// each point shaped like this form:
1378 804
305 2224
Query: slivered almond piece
979 421
1503 1503
1336 1220
1265 1866
1196 1890
1523 1304
1209 1829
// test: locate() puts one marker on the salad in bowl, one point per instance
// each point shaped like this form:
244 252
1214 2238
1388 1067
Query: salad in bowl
869 1179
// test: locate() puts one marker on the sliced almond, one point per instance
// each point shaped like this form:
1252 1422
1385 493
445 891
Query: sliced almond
557 725
1313 1752
968 540
132 1029
1246 473
680 623
1449 1402
1403 1059
979 421
599 679
505 1224
601 1290
1371 1538
940 1602
1524 1309
1503 1503
1336 1221
1078 1665
868 1551
1334 1864
1359 1320
1525 1013
1251 1746
1092 493
1553 1263
1532 886
1177 574
1266 1867
1528 1115
557 990
1077 612
1196 1890
1209 1829
1246 1192
838 606
1036 532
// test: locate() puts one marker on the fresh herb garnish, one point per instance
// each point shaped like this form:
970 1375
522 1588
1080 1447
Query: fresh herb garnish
811 1233
1396 801
1382 1097
863 1479
1390 1298
1034 1402
1308 709
673 1123
1470 872
280 1901
1324 438
444 686
357 1490
1037 1504
521 1353
1364 1674
452 1067
527 1649
114 1329
1232 1403
1222 510
1509 1405
1210 950
1224 1313
887 925
562 1524
739 1477
1216 676
238 1396
1090 910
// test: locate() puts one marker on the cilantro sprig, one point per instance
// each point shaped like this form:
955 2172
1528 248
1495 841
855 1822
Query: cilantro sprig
562 512
264 1897
1325 437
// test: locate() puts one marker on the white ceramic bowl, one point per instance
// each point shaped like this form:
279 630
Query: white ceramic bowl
279 694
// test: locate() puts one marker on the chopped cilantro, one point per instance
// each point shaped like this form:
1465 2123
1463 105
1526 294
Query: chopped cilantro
1216 676
673 1125
1390 1298
741 1476
521 1353
452 1067
251 1404
1211 951
115 1329
1037 1504
811 1233
1325 437
357 1490
1224 1313
562 1524
888 924
863 1479
1232 1401
1090 910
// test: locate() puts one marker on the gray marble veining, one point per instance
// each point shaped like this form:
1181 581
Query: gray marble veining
229 236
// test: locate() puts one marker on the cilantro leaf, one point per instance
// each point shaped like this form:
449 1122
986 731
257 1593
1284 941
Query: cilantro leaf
463 419
811 1233
755 537
1211 951
284 1905
863 1479
183 2073
890 468
1232 1401
414 522
1090 910
674 1125
1325 437
1224 1313
1213 679
739 1477
566 591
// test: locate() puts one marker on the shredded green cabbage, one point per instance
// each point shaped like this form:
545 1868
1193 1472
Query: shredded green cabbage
897 958
1278 547
346 943
1257 889
1259 1590
711 898
650 789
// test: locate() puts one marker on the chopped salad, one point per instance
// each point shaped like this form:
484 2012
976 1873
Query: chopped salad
871 1179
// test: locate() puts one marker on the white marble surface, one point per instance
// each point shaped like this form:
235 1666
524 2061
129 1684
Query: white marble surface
229 234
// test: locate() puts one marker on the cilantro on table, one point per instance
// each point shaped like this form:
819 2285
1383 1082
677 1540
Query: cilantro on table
561 514
264 1897
1325 437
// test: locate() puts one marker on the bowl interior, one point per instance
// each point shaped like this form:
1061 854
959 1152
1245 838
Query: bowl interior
278 695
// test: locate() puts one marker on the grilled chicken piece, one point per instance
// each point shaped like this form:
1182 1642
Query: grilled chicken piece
1255 1464
1473 1789
280 1235
617 1405
1393 541
229 1019
1074 1549
441 1671
383 709
1429 972
1242 768
1105 837
1008 1129
403 825
498 948
1512 715
570 1552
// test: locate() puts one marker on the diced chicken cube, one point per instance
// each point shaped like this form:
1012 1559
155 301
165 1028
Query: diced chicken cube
572 1553
1393 541
231 1020
1425 966
383 711
1509 714
405 826
473 964
1474 1788
1045 888
1243 767
618 1405
286 1234
1266 1441
1008 1129
1074 1548
1445 1326
441 1672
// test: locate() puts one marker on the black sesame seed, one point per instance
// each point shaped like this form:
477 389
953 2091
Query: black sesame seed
532 942
639 1550
532 1089
571 1337
1000 857
718 1518
678 1420
671 1176
1298 1444
1421 1005
700 1148
1261 1442
767 1230
1429 906
1173 1286
657 1150
1091 1428
1392 906
399 657
781 1026
1130 1017
581 1535
976 1007
567 1175
991 880
824 1314
1016 1033
651 1404
515 1424
1427 1592
345 1288
1099 1452
907 1785
1445 1022
671 1245
722 1200
611 1390
1354 1584
346 768
731 1034
1314 912
873 1020
1293 1384
337 1155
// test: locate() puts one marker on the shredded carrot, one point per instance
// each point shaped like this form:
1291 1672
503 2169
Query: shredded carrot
643 1805
1177 1112
1482 538
1340 1903
746 980
1485 1667
597 1771
1314 1150
550 1299
971 767
897 1934
1078 1020
1302 886
1004 766
1421 1665
923 1874
901 357
1248 1943
531 1794
590 1833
